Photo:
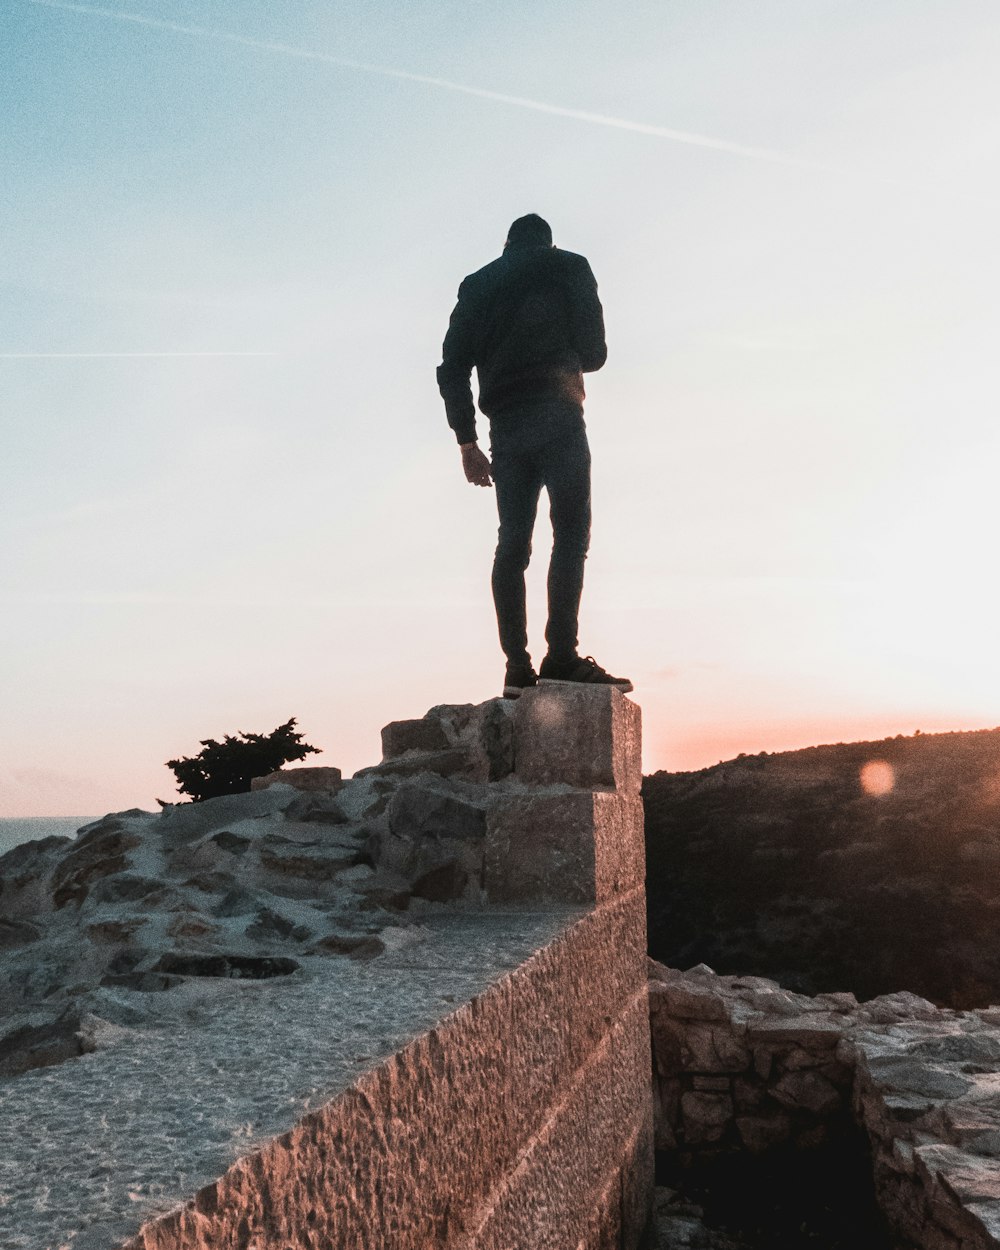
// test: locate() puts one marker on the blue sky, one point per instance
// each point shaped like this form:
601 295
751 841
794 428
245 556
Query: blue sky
228 494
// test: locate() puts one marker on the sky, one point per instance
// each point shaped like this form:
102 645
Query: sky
232 234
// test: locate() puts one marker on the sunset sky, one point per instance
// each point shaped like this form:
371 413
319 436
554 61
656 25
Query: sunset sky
231 234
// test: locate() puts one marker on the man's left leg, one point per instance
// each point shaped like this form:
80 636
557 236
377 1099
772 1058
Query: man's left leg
566 473
566 470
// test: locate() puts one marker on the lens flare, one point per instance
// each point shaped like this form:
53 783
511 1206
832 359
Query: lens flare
877 777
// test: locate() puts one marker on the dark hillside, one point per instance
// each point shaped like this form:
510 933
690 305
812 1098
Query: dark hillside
783 866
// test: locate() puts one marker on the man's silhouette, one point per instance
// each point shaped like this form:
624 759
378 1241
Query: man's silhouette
531 324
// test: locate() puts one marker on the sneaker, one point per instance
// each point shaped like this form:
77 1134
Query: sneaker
583 669
518 677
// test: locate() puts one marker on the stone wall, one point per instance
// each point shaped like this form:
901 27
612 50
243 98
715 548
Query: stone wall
524 1118
741 1064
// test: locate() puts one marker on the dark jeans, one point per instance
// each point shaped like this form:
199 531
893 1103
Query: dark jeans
543 444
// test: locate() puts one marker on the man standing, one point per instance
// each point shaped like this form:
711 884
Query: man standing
531 324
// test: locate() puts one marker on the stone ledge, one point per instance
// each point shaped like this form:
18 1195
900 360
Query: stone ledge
407 1154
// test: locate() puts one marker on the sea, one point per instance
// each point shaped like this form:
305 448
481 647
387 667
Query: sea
15 830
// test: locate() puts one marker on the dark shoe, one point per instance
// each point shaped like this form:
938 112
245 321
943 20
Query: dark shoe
519 677
584 669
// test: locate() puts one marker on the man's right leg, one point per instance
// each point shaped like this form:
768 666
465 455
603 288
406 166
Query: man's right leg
518 485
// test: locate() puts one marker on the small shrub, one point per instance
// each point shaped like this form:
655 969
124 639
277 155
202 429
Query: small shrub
228 767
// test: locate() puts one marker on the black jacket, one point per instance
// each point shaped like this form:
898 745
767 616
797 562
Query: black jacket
532 325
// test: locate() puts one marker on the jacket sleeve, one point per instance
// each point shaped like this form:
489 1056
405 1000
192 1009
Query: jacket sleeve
458 355
587 320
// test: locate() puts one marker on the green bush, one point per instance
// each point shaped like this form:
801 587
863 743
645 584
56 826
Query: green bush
228 767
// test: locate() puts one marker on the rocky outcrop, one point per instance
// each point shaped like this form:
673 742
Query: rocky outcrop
406 1009
307 864
741 1064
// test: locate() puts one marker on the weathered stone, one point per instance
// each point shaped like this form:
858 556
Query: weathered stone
185 822
450 763
426 734
759 1133
100 855
815 1031
980 1048
889 1008
270 924
418 811
905 1075
695 1047
38 1039
447 880
748 1094
194 927
316 807
388 897
987 1216
965 1177
17 933
570 847
807 1091
711 1084
25 872
775 1001
689 1000
315 863
326 779
142 982
840 1001
587 736
96 1034
353 945
130 887
114 932
705 1117
250 967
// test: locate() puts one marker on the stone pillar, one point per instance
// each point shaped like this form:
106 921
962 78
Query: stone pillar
569 827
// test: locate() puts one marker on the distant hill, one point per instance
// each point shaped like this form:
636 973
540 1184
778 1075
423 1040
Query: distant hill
783 866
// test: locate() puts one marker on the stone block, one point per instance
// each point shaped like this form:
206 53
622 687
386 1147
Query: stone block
586 736
426 734
705 1117
815 1031
695 1047
807 1091
569 848
689 1000
301 779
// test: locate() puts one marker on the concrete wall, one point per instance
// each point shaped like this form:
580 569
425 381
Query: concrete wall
523 1119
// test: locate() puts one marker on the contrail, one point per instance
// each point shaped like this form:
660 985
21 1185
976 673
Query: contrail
538 106
124 355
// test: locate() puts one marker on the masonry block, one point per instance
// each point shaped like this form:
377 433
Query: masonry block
570 847
586 736
426 734
301 779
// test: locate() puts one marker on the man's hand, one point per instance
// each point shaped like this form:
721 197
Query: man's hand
476 465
